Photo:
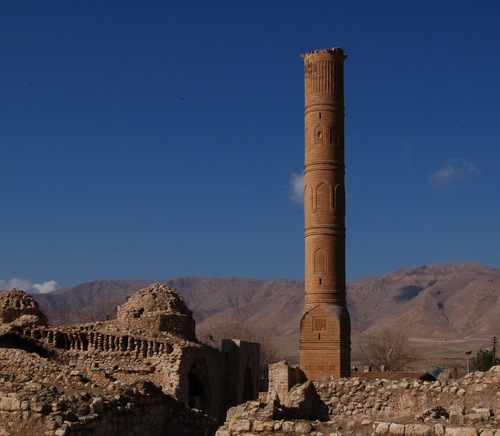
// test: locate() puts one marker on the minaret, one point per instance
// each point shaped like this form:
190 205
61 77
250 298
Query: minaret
325 328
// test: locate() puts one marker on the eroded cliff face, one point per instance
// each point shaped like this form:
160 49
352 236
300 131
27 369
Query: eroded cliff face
357 406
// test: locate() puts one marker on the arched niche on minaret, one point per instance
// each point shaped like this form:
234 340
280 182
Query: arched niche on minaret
308 198
324 197
320 265
334 135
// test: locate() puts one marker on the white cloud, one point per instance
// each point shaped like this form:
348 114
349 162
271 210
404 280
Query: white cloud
48 286
23 284
453 169
297 188
28 286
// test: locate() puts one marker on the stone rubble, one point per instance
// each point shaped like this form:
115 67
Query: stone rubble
357 406
42 397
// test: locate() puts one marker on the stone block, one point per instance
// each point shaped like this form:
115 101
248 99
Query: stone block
418 429
240 425
302 427
382 428
396 429
288 426
461 431
439 429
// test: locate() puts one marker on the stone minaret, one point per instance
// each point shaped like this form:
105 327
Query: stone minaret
325 329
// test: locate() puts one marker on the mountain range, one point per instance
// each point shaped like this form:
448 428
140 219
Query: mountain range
443 309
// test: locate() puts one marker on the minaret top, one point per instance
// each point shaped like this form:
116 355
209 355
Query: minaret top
334 51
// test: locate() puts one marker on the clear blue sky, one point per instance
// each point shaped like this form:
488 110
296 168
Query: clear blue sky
159 139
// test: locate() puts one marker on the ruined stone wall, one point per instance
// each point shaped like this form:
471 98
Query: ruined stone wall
140 414
40 396
356 406
88 337
152 341
108 358
282 377
242 370
192 372
198 379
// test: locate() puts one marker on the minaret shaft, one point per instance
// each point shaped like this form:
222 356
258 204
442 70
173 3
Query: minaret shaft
325 325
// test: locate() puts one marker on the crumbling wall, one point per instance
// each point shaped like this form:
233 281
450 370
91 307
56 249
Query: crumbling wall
19 309
282 377
198 378
158 308
152 339
40 396
242 371
357 406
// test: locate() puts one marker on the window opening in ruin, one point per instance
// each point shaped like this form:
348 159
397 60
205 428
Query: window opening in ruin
140 312
124 343
318 135
85 342
320 114
320 280
60 342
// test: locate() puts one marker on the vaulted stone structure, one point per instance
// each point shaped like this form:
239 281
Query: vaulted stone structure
153 339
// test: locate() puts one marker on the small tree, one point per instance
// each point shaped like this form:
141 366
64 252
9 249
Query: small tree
390 350
95 313
484 360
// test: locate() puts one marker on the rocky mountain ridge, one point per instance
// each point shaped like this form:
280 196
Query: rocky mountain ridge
431 303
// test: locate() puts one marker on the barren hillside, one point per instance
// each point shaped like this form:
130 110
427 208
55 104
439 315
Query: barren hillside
453 306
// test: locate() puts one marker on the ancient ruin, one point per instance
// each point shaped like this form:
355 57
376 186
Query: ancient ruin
469 406
138 374
146 374
325 332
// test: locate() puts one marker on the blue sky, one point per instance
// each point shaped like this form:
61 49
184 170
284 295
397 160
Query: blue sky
161 139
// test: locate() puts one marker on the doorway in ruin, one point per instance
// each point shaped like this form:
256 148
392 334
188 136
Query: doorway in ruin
199 390
248 384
